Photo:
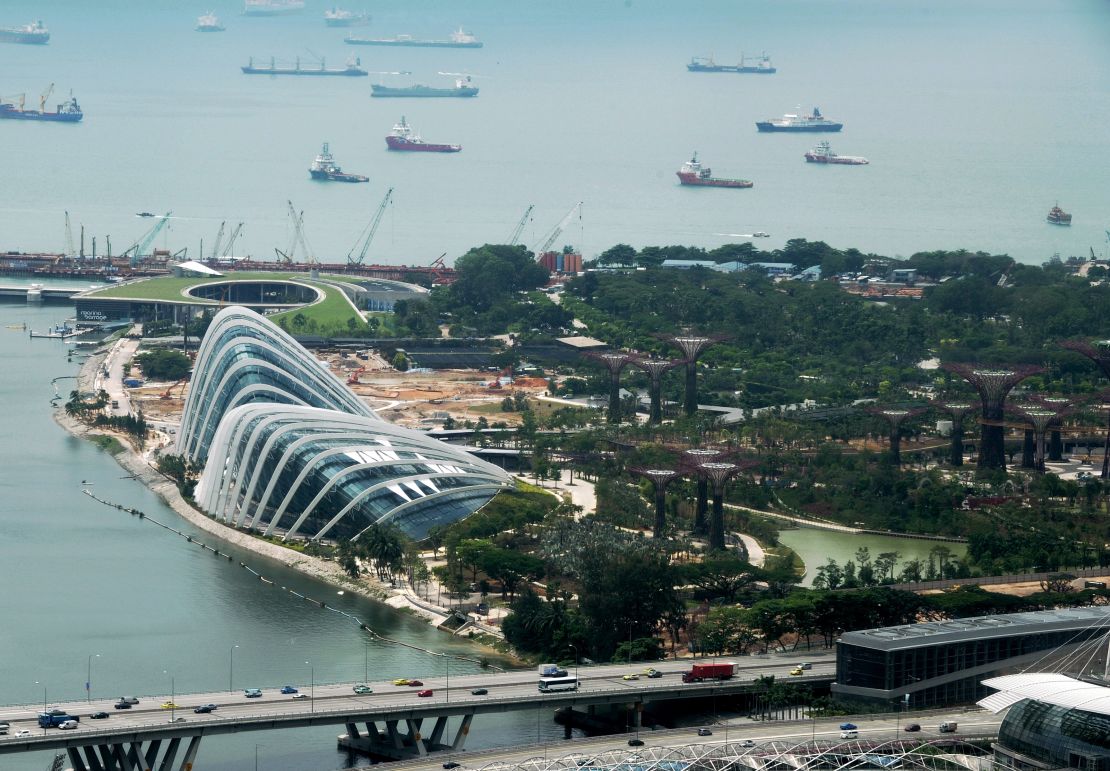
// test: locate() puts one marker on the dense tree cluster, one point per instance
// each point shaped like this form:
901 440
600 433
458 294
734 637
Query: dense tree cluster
164 364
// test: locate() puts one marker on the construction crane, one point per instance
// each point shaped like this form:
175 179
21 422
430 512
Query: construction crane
231 239
136 250
219 239
439 268
520 225
367 234
290 254
45 95
168 394
547 242
69 238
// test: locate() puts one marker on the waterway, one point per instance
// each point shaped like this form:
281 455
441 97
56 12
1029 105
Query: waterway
88 588
816 547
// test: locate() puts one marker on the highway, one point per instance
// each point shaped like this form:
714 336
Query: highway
337 703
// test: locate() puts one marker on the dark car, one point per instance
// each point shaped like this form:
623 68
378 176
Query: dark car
911 727
479 692
704 732
635 742
122 705
204 709
288 689
424 693
99 715
848 726
451 764
415 683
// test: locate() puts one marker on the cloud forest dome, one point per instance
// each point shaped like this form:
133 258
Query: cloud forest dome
313 473
245 359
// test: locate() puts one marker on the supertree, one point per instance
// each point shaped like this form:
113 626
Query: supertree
693 458
692 346
993 386
660 478
614 361
895 416
1040 418
1099 353
1055 441
655 369
718 474
957 411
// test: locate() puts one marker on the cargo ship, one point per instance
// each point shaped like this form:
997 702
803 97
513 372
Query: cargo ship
462 88
28 34
693 173
459 39
352 69
403 138
324 168
209 23
337 17
272 7
762 65
790 122
66 112
1058 216
824 154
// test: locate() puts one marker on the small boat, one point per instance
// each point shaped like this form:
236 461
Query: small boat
324 167
146 214
402 137
209 23
337 17
1057 216
693 173
28 34
823 154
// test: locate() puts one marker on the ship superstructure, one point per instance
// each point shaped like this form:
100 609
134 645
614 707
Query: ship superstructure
823 153
209 22
324 167
1057 216
402 137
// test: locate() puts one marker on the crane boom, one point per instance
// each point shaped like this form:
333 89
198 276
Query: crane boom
520 225
219 239
139 247
367 235
45 95
547 242
231 239
69 238
289 255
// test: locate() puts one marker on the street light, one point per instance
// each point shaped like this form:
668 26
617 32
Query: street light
572 645
231 670
88 677
256 755
173 695
43 701
312 685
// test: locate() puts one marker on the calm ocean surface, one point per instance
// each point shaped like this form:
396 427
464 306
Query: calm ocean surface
976 116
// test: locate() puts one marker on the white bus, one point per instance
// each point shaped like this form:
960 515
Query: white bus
568 683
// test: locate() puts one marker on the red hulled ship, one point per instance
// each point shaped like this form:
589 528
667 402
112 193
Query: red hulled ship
693 173
403 138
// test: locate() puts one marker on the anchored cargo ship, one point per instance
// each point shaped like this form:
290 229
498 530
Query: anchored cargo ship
403 138
459 39
762 65
67 112
272 7
209 23
337 17
823 154
693 173
1058 216
324 168
790 122
352 69
462 88
29 34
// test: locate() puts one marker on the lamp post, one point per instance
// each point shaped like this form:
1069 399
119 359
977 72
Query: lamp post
43 701
256 755
312 685
365 661
88 678
572 645
231 670
173 695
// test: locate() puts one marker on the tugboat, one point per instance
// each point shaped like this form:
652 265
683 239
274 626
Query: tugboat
459 39
791 122
824 154
762 65
324 168
66 112
1058 216
29 34
462 88
352 70
693 173
403 138
209 23
337 17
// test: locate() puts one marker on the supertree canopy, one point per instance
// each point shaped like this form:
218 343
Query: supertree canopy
693 459
655 369
895 416
614 361
957 411
1040 418
718 474
994 385
660 478
692 346
1055 442
1099 353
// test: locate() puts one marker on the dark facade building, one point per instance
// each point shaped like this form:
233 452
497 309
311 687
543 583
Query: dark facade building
943 662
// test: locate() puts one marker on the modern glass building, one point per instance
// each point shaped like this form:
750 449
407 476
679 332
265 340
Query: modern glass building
291 451
944 662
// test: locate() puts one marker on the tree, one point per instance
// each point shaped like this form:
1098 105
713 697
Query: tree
400 362
623 594
720 575
470 552
164 364
509 568
1058 583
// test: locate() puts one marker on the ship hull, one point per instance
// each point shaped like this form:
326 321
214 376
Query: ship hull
844 160
331 177
357 22
732 68
210 29
24 38
273 10
8 113
397 143
826 127
310 73
360 41
386 91
1064 223
695 181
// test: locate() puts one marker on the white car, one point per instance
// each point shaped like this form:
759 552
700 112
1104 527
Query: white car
22 732
67 725
300 695
849 734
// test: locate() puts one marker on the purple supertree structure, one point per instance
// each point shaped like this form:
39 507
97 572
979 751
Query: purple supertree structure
895 416
1055 441
660 478
655 369
691 346
993 385
1040 418
957 411
718 475
614 361
1099 353
693 459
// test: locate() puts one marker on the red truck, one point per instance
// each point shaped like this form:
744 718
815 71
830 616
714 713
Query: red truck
699 672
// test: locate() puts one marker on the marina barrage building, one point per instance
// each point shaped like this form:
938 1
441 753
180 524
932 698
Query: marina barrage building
291 451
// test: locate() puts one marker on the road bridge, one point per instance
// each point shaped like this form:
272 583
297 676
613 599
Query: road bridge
164 732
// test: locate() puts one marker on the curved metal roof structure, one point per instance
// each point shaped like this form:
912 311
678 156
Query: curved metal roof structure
290 450
245 359
1051 688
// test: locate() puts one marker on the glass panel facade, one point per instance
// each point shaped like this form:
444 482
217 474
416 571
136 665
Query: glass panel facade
1057 737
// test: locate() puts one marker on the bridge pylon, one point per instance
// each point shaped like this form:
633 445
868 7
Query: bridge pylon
135 756
403 739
